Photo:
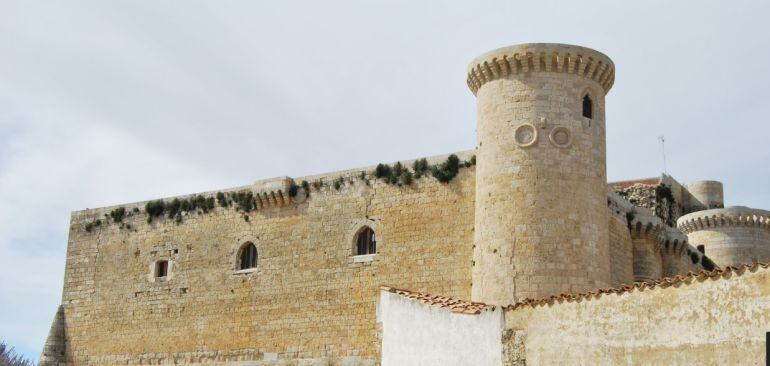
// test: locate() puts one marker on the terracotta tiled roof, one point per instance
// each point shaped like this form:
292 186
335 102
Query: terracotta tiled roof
460 306
454 305
663 283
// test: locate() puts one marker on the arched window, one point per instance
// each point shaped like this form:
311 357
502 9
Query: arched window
588 107
248 257
366 242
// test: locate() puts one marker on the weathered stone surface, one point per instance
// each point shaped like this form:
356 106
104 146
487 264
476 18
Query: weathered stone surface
705 320
541 204
532 218
308 299
730 236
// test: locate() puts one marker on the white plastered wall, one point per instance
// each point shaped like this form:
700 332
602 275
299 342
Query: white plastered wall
414 333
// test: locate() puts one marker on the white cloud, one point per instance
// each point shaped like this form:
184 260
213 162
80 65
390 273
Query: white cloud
49 170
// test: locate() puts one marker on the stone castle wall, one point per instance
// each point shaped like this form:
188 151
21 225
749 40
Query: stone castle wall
643 247
309 298
621 253
621 244
533 219
710 319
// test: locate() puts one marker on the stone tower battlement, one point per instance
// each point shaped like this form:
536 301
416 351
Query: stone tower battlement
704 195
736 216
545 57
730 236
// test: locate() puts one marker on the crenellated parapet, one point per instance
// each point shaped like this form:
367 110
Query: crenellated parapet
674 242
729 236
541 57
270 193
645 225
648 235
738 216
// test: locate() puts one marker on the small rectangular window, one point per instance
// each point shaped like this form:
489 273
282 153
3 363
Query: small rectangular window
588 107
161 269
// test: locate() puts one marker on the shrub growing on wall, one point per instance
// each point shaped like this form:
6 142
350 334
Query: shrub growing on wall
173 207
398 169
118 214
222 199
154 209
420 167
244 200
91 225
382 171
406 178
447 170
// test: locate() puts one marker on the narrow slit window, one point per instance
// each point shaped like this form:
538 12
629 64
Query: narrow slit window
248 256
161 269
366 243
588 107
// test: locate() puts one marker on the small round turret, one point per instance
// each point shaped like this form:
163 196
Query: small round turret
730 236
541 199
704 195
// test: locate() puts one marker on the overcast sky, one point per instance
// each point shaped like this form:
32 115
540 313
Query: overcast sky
107 102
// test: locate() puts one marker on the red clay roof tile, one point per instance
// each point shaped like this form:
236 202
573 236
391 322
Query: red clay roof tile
454 305
469 307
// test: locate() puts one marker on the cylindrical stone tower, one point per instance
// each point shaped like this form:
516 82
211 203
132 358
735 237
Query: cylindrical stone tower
706 194
730 236
541 189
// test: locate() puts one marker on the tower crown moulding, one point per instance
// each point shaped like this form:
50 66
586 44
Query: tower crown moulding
730 216
541 57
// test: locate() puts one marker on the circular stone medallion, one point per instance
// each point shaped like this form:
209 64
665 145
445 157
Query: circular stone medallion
525 135
560 137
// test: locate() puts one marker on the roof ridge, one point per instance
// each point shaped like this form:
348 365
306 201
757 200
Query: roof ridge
663 282
471 307
454 305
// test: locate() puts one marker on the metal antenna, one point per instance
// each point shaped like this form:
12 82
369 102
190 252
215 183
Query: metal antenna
663 147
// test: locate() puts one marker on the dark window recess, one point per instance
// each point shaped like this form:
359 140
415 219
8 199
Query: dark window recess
366 243
248 256
588 107
161 269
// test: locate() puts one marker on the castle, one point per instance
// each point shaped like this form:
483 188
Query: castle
517 252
